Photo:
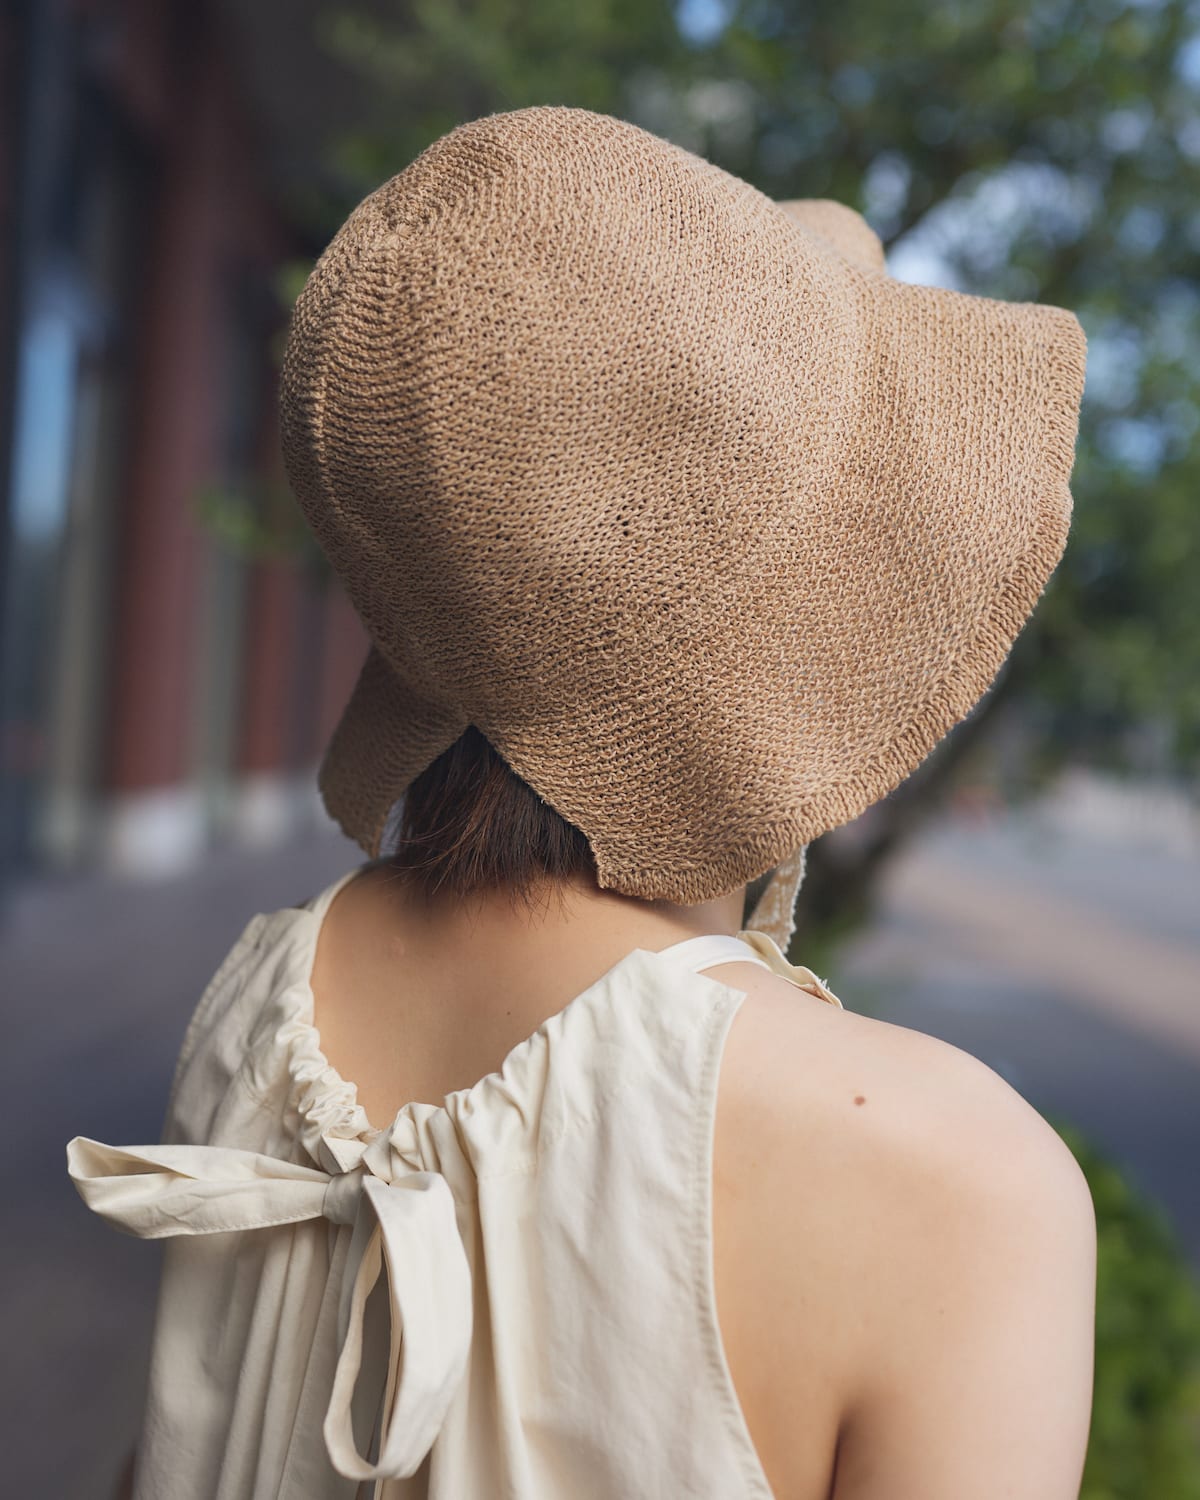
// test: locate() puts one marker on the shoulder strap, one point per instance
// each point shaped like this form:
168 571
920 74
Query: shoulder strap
749 946
711 948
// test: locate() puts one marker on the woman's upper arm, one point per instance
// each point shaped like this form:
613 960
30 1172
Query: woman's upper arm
973 1371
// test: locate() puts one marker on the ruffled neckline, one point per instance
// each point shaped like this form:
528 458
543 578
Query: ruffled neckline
334 1128
332 1121
333 1125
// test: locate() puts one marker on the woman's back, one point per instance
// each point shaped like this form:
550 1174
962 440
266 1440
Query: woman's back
544 1325
902 1249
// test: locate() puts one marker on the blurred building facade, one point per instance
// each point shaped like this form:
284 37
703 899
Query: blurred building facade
160 687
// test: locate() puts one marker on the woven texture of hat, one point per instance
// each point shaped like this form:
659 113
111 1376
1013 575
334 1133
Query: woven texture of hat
712 526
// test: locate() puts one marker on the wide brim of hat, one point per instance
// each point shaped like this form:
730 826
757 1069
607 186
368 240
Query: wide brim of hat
983 401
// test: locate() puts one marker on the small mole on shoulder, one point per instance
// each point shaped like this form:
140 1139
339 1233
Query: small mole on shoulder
860 1098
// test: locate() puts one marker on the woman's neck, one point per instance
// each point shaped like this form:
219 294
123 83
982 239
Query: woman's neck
573 914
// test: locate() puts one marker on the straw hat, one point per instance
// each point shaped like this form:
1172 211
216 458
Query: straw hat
710 525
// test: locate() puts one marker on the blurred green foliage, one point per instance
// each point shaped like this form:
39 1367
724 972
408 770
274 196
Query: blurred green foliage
1145 1437
258 520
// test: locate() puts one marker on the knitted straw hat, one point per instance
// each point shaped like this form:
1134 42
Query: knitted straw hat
710 525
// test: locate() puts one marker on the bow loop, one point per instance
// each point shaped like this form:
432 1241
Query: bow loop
415 1238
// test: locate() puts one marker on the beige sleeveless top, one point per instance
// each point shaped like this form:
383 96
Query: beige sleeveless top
506 1295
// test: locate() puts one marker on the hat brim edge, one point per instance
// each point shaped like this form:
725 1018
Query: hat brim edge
954 695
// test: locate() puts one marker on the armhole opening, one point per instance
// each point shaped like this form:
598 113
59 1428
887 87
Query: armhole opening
758 1487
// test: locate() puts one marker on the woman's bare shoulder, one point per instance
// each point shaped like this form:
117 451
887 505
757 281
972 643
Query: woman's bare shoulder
832 1085
875 1185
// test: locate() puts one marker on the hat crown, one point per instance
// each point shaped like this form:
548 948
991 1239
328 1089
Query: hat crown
560 344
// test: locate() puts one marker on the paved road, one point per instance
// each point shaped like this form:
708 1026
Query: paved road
1074 971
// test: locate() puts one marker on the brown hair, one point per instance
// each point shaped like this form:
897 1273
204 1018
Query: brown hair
469 823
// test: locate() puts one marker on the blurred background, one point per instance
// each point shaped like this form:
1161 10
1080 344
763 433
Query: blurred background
173 653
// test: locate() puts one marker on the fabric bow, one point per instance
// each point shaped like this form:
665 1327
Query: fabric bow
407 1224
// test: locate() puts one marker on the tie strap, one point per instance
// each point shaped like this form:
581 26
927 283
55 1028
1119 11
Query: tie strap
407 1226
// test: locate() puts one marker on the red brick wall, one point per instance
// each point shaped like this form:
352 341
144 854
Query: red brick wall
215 220
172 415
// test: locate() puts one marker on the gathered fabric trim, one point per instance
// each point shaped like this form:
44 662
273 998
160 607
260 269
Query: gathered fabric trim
327 1105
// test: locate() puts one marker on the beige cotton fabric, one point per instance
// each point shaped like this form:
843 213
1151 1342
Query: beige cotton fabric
517 1281
712 526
